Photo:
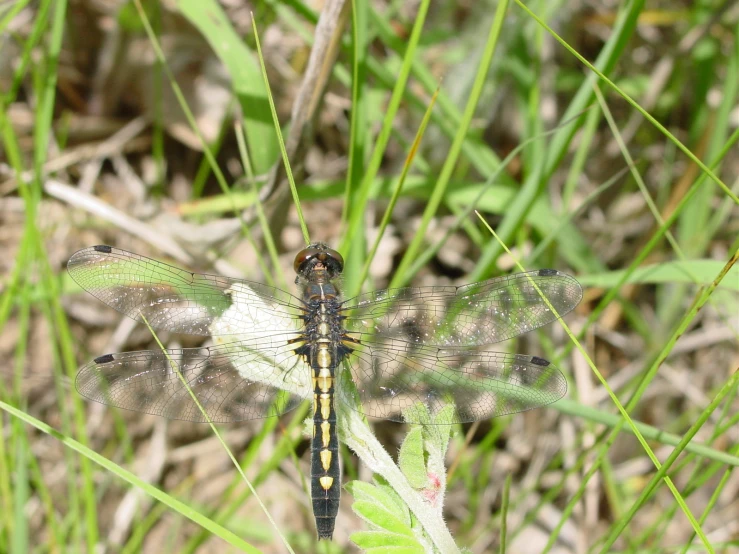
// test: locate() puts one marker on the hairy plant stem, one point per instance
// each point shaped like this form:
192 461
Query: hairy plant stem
357 435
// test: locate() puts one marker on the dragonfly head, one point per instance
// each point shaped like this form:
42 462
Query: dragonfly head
318 257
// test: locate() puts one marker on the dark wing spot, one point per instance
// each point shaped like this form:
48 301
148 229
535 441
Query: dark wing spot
506 300
102 248
547 272
412 330
536 360
104 359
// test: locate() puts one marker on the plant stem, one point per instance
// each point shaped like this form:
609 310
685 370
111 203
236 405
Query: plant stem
359 437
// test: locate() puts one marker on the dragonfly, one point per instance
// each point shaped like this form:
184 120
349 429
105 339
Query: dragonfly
270 350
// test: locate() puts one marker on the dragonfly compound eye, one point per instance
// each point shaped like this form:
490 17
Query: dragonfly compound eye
304 256
333 260
319 253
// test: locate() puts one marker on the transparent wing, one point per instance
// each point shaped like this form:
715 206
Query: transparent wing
393 381
473 315
234 381
176 300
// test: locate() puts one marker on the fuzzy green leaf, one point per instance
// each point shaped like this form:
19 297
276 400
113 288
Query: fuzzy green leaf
380 541
376 515
389 491
394 550
418 413
411 458
382 497
440 432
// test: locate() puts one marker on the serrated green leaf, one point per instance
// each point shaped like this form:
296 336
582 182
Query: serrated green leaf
411 459
418 413
366 492
360 490
394 550
416 523
445 416
440 432
394 496
381 539
377 516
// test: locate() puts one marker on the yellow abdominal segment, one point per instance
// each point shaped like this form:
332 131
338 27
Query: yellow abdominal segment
325 406
326 459
324 380
325 433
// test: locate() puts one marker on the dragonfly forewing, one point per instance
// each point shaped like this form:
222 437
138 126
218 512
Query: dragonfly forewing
472 315
176 300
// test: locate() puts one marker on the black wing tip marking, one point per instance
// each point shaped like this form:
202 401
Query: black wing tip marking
105 359
84 252
82 258
570 283
536 360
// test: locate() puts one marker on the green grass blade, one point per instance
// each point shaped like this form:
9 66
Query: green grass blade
359 114
394 198
625 413
132 479
175 367
634 104
700 272
181 97
705 414
209 18
451 161
613 421
653 241
276 123
534 184
357 210
269 240
504 514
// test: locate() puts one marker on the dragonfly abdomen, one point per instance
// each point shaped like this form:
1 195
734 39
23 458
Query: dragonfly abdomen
325 471
323 357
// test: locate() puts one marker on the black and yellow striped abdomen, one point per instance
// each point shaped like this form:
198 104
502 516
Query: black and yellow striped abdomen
325 471
323 350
